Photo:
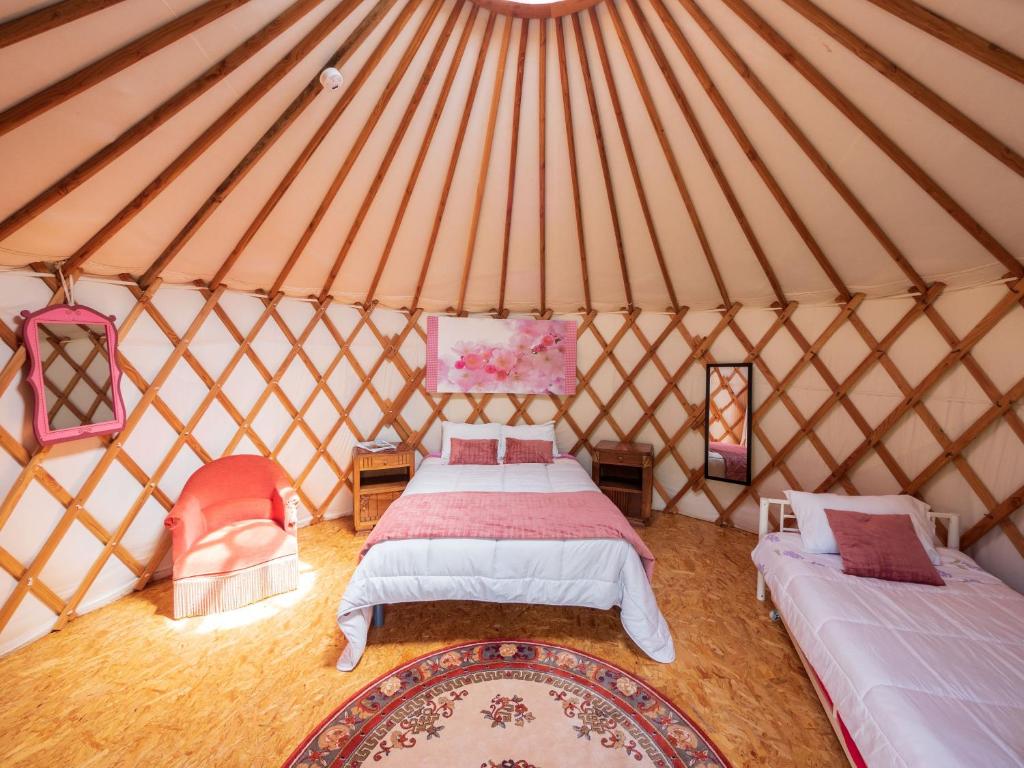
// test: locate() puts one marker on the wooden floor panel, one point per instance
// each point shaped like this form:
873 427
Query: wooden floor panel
128 686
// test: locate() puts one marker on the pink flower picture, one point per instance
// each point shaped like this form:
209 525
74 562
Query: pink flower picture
470 354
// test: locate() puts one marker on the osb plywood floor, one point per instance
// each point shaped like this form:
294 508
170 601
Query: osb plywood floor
128 686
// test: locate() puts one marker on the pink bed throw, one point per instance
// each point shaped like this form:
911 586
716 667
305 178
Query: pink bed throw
735 458
501 515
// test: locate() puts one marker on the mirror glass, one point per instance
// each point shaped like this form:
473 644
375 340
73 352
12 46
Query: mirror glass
727 421
76 374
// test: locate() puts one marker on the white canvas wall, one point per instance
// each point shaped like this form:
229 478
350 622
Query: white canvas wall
996 456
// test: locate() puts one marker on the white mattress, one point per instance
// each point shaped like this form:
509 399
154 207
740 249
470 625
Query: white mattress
922 676
595 573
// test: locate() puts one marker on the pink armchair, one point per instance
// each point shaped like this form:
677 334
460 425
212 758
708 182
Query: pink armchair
233 533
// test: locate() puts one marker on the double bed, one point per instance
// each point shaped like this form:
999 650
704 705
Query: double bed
910 675
727 461
536 560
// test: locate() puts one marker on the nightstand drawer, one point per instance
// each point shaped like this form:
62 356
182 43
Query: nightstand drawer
617 457
383 460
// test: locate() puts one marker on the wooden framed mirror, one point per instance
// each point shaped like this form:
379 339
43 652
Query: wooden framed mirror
728 414
73 372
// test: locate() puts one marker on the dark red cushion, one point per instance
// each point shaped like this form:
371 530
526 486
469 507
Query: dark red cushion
473 451
528 451
881 547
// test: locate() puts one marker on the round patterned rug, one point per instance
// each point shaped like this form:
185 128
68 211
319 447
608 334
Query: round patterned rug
507 704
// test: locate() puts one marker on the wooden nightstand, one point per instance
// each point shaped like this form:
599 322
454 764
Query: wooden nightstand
624 473
378 479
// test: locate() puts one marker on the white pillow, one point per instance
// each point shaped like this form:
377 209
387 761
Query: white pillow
450 429
816 534
545 431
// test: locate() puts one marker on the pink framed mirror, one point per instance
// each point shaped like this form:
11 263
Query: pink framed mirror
73 372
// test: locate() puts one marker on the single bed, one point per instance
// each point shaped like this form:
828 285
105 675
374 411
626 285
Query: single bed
910 675
589 572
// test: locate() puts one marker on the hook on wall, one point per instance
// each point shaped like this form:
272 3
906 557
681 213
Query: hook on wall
67 282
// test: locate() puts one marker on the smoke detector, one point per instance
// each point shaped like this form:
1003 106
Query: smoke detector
331 79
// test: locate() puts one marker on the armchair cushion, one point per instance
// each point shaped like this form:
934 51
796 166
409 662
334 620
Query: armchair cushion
235 546
235 510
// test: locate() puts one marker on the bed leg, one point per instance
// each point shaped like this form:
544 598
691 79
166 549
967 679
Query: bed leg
760 586
378 615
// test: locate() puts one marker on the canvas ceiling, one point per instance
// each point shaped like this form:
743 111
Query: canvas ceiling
417 42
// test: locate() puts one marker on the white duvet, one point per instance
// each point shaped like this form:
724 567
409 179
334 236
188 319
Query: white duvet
594 573
923 677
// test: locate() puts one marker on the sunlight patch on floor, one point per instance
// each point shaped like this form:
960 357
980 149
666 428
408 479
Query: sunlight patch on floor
249 614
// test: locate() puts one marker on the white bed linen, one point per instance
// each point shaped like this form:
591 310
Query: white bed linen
922 676
716 464
594 573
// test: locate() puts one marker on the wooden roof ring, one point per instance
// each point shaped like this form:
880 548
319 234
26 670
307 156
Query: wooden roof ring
537 9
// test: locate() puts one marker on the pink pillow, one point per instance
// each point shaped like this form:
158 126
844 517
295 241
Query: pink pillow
527 451
473 451
881 547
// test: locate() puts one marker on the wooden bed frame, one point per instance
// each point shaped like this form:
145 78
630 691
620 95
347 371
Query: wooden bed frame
952 526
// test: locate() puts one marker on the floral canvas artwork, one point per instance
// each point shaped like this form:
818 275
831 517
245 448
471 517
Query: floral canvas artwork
521 356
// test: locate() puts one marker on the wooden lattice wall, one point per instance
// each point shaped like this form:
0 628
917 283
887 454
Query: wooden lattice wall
919 393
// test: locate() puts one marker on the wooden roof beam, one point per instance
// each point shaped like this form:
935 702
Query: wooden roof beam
570 139
609 188
911 85
485 162
88 168
48 17
750 152
542 149
114 62
207 138
453 162
709 154
367 128
351 44
659 130
801 139
513 156
396 141
356 149
872 131
959 37
428 136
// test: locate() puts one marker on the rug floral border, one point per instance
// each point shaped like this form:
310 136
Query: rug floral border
340 735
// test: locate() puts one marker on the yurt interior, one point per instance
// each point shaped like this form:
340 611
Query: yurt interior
512 383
